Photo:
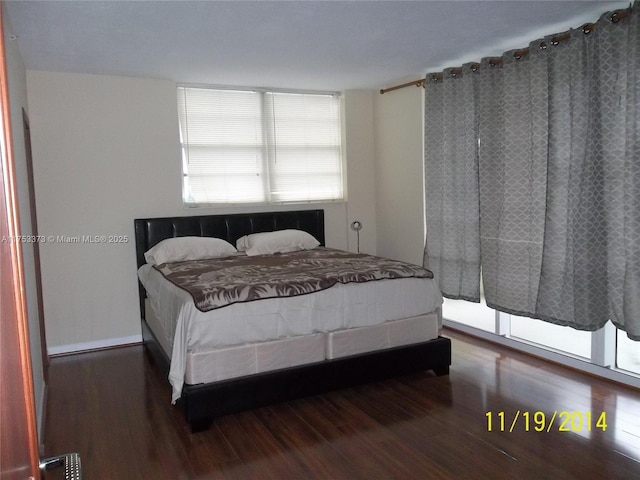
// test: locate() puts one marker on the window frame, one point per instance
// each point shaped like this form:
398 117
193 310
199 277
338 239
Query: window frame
267 202
603 359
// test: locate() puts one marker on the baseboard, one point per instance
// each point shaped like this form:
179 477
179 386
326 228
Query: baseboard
96 345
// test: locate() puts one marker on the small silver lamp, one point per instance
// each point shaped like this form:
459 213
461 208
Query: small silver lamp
356 226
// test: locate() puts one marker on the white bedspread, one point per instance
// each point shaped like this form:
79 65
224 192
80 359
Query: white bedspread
187 329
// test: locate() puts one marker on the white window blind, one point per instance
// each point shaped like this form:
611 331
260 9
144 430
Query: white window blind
259 146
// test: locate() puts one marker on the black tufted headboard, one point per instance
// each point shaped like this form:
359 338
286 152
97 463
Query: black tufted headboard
230 227
150 231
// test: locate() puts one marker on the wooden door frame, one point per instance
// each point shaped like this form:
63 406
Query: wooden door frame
19 457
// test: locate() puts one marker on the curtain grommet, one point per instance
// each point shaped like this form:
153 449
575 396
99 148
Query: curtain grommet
587 28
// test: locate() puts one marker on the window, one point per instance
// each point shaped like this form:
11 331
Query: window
627 353
566 339
259 146
476 315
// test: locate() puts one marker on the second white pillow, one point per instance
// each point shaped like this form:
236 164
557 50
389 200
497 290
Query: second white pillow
280 241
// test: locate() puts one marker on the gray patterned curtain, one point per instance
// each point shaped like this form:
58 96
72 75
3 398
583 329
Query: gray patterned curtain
452 251
558 179
513 176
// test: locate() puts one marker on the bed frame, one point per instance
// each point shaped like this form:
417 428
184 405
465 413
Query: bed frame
202 403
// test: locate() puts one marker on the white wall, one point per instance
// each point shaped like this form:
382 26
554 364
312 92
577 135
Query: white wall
399 174
361 175
18 100
105 152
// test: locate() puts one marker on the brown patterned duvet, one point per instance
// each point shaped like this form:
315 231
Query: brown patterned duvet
218 282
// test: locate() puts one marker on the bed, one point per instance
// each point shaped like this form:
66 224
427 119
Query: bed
253 353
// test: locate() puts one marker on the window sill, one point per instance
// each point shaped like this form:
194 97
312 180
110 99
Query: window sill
191 206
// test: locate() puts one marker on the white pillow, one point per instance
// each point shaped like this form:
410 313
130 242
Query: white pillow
280 241
179 249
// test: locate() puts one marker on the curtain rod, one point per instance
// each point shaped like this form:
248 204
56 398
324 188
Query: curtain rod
417 83
518 54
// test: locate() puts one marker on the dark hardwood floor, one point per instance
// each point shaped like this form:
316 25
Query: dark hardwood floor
113 408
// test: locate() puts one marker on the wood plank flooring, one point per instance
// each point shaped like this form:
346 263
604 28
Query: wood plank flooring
113 408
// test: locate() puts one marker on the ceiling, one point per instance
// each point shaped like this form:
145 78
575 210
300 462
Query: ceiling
314 45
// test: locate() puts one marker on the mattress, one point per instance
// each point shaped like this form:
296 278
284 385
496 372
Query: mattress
205 366
396 333
232 362
184 330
